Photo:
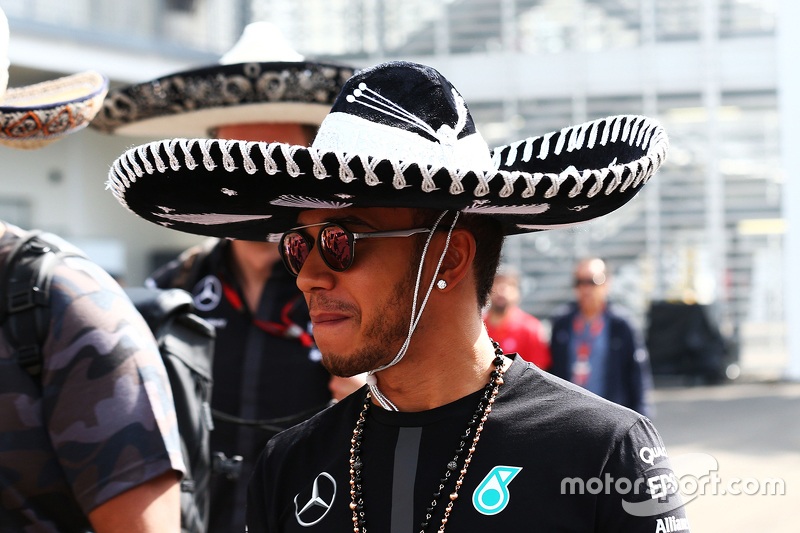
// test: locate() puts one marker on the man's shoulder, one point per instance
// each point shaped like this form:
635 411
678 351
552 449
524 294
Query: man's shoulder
619 314
561 404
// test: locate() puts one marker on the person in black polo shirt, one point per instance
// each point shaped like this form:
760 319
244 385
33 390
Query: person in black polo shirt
393 223
261 91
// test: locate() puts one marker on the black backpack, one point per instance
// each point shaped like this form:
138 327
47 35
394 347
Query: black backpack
186 343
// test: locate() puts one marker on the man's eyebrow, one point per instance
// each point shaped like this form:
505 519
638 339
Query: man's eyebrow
352 220
349 220
345 221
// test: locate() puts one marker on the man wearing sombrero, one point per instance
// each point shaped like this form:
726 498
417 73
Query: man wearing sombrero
88 439
450 434
261 90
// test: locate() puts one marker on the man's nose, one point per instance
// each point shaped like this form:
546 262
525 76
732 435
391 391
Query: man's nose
315 274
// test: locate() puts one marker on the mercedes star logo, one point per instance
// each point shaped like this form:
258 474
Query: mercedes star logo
323 492
208 292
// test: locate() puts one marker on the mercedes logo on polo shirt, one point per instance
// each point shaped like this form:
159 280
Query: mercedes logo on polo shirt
310 509
207 293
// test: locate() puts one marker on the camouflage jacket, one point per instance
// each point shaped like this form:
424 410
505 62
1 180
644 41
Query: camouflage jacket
98 421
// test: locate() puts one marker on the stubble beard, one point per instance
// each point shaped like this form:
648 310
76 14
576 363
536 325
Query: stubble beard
382 338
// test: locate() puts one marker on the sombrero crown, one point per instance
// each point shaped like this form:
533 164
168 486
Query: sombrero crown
399 135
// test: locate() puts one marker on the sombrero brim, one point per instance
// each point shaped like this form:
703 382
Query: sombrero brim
254 191
190 103
36 115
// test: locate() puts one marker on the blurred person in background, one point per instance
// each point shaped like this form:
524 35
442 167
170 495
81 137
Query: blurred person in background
262 90
594 345
514 329
89 438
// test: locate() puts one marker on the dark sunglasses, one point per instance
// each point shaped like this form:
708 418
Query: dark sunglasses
589 281
336 245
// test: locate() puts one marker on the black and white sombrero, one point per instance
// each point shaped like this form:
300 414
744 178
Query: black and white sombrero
34 116
399 135
261 79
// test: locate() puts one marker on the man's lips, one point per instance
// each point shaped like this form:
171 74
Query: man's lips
327 317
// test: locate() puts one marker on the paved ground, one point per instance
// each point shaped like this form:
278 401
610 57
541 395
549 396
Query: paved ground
753 431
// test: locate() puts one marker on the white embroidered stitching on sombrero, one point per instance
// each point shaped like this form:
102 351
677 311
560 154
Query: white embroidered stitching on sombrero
639 131
445 135
531 180
127 169
247 162
528 209
291 200
370 177
636 132
319 169
342 133
174 164
270 166
211 219
456 187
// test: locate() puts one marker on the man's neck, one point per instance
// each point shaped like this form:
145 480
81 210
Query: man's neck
252 263
444 363
590 313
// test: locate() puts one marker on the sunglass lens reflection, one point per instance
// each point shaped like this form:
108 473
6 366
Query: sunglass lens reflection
295 251
336 247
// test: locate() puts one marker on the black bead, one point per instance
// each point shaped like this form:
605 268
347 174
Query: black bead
424 525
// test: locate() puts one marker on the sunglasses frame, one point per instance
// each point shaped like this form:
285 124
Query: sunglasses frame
352 237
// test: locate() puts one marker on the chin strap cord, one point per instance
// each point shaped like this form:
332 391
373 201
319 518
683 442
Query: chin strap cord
372 380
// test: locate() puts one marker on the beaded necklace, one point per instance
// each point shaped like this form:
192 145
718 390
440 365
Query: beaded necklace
475 425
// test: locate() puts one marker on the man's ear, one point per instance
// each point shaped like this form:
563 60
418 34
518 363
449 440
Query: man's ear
457 262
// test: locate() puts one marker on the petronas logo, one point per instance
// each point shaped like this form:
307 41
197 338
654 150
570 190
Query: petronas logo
492 495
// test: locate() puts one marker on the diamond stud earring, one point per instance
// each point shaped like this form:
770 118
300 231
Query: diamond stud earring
441 284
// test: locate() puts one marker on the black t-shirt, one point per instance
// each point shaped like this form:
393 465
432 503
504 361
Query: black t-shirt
543 463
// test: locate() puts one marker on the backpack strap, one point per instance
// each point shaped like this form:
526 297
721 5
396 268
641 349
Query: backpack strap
25 296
